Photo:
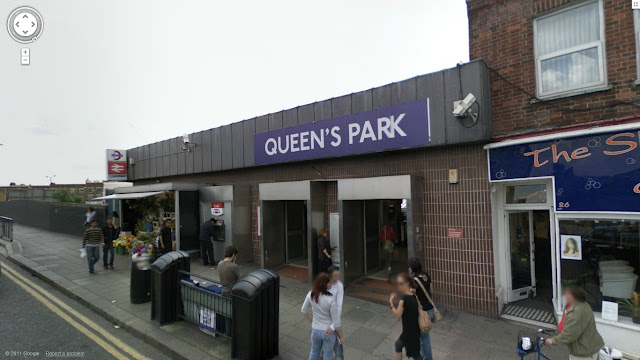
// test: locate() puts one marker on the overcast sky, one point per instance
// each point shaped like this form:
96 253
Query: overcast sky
119 74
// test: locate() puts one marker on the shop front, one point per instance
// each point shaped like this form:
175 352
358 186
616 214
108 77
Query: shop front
566 211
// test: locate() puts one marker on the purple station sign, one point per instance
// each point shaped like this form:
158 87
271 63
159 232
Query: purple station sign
395 127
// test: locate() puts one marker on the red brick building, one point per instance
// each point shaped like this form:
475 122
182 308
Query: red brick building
564 162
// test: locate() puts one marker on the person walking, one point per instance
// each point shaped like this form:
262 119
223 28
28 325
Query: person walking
228 270
91 241
324 251
424 288
109 233
90 216
116 223
208 232
407 309
388 238
577 328
337 289
321 308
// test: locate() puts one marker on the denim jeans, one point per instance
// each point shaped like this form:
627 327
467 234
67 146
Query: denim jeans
106 251
93 255
321 343
338 349
425 342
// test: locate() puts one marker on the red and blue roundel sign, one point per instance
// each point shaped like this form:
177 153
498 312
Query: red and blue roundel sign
116 155
116 165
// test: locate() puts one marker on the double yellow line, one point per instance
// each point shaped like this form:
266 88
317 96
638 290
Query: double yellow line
113 346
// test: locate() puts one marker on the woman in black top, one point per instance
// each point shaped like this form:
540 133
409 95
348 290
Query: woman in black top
422 278
407 309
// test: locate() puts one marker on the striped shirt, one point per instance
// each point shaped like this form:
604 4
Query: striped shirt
92 236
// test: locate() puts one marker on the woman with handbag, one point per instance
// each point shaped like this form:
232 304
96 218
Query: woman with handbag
423 292
407 309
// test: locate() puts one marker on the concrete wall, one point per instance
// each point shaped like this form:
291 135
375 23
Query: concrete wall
51 216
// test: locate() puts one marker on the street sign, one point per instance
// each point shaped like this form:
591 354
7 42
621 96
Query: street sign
116 165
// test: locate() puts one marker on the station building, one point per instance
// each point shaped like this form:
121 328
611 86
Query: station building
394 154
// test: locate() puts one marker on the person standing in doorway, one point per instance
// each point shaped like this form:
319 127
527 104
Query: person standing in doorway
324 251
116 223
422 278
228 270
91 242
388 238
577 328
337 289
109 233
90 216
166 244
208 232
321 308
407 309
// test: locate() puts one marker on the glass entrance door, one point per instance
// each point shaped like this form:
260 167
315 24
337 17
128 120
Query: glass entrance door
522 250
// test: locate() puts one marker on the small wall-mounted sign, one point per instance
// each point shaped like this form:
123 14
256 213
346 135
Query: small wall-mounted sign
457 233
217 208
609 310
453 176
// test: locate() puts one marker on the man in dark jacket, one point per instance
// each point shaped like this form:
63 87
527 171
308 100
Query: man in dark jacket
208 231
110 233
166 243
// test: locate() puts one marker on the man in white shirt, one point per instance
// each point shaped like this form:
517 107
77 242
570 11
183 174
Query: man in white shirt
337 289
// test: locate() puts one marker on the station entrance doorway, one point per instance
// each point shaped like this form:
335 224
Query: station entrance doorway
367 224
286 233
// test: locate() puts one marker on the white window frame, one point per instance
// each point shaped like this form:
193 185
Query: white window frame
600 45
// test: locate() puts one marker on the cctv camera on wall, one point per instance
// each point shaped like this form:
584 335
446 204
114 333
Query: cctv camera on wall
186 143
462 107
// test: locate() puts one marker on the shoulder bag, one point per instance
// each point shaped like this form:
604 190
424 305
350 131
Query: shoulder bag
437 316
424 321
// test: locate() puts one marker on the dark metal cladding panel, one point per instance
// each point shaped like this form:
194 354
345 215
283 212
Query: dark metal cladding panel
341 106
431 86
133 154
191 155
403 91
183 155
166 158
197 153
290 117
463 130
305 114
129 166
262 124
237 145
249 129
362 101
153 158
147 161
216 153
227 147
382 97
322 110
173 156
207 150
275 121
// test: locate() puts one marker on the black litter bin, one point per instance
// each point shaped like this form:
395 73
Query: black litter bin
140 279
255 315
165 283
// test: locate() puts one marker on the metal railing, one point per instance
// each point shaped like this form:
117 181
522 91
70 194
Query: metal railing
6 228
204 303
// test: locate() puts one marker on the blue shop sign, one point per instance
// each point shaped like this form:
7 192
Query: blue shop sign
390 128
595 172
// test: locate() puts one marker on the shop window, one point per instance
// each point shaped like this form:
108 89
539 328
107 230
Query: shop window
601 256
569 47
527 194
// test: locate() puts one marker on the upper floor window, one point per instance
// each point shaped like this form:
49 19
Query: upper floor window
569 50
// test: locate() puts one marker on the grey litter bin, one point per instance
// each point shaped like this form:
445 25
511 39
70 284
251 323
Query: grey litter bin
164 285
140 290
255 313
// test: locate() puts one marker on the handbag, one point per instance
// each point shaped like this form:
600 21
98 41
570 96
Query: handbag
437 316
424 321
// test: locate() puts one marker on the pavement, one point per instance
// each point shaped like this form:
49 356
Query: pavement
370 329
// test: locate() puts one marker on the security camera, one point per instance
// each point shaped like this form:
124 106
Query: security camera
462 107
185 139
186 143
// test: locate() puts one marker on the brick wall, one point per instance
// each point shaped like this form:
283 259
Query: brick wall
462 268
501 33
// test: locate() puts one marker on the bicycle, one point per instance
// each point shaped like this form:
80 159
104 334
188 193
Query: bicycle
532 343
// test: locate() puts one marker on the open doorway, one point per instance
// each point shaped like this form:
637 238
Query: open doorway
285 233
531 285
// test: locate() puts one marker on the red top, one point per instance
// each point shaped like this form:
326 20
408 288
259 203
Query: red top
387 233
561 324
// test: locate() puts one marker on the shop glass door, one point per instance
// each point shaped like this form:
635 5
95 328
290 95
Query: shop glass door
522 259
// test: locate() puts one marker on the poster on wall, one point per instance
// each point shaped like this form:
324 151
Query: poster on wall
571 247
